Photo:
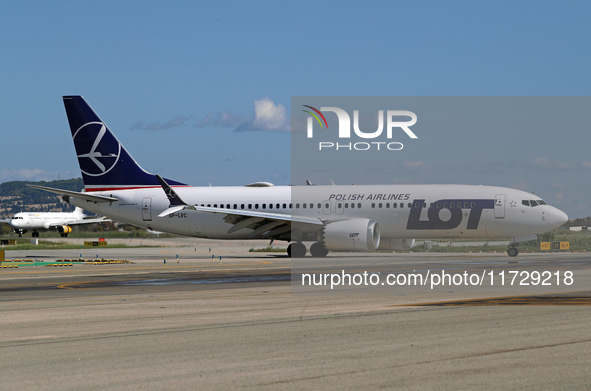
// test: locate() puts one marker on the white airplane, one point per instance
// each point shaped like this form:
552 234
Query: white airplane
38 221
335 218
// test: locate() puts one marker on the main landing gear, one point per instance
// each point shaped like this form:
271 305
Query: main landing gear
298 250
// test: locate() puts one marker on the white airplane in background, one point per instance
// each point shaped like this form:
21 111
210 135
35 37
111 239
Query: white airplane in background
43 221
335 218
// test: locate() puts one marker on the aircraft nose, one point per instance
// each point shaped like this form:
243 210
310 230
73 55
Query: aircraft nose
558 217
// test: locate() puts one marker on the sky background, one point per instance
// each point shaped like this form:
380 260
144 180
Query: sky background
200 92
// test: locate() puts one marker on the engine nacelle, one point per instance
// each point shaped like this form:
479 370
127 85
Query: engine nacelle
64 229
352 235
397 244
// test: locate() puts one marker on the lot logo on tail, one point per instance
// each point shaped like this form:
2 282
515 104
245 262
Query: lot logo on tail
103 150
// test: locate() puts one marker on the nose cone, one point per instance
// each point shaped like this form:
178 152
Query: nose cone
557 217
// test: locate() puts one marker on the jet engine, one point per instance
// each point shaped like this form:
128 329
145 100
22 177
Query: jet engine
397 244
64 229
352 235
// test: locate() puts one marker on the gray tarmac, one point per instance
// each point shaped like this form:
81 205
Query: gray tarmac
247 322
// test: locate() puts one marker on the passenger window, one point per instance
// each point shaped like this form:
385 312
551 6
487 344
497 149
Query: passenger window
327 205
395 205
387 204
373 205
264 206
249 206
359 205
352 205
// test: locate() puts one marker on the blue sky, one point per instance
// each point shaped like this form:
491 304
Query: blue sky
195 90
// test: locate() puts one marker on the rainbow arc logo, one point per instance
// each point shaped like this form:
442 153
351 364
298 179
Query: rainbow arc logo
316 116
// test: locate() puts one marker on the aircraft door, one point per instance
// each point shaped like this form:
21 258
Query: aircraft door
147 209
500 206
326 207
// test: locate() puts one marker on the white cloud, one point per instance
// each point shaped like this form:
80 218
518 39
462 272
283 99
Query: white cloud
417 165
173 123
542 163
268 116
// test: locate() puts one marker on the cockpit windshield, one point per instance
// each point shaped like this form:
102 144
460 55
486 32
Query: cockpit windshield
533 203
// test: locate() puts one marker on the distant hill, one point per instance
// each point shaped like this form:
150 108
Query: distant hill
16 197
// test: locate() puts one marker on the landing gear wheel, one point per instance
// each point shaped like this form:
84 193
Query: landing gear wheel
512 252
318 250
296 250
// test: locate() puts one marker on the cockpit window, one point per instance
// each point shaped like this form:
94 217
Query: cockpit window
532 203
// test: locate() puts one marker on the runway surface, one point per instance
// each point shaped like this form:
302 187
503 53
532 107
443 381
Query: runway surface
241 323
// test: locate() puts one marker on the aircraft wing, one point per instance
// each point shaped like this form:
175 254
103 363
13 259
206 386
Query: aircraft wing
87 221
263 224
82 196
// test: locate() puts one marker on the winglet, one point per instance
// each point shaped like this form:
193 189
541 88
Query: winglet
176 203
173 197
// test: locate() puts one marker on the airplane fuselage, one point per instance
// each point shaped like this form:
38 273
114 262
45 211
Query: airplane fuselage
42 220
402 211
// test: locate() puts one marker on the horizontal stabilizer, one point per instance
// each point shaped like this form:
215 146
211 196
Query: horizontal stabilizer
95 198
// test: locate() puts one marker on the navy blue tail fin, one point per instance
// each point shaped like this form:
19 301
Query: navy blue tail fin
104 162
